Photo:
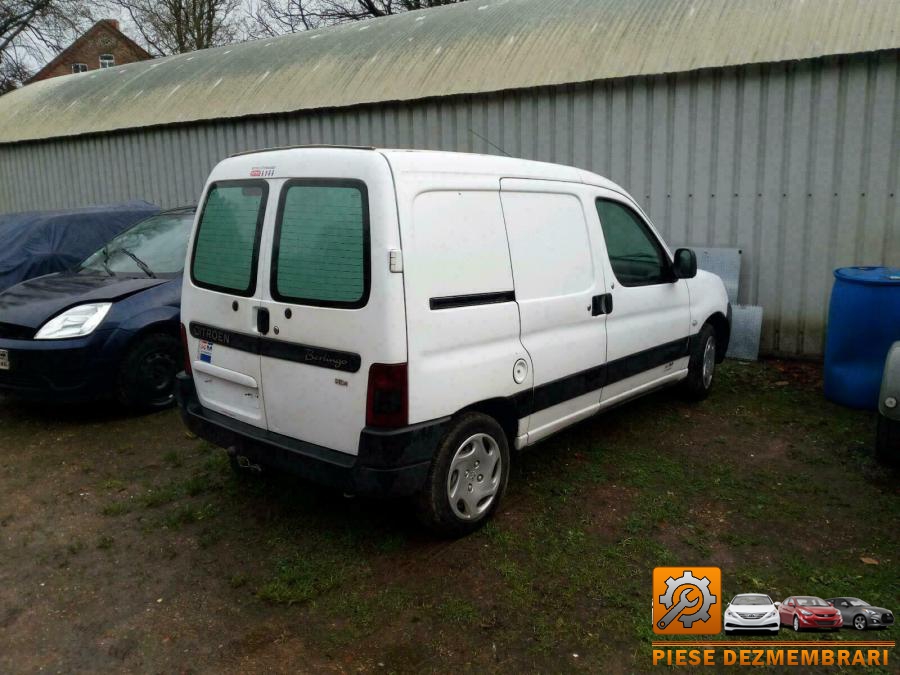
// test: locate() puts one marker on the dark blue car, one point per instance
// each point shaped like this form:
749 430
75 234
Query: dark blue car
108 328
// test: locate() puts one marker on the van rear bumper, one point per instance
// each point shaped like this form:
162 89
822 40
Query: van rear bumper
391 463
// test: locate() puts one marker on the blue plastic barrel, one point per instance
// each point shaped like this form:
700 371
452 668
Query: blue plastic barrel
863 323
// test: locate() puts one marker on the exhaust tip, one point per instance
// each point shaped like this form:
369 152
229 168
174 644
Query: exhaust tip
245 463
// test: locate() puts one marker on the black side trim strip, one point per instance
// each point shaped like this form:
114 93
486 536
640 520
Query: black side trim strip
454 301
311 356
553 393
278 349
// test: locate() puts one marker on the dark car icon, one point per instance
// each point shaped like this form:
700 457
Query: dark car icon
861 615
108 328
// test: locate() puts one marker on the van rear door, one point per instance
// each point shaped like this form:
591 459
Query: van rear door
335 307
220 299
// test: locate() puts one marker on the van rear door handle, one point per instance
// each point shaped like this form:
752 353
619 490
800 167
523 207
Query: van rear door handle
602 304
262 320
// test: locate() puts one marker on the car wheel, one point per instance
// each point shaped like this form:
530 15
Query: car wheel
702 365
796 624
146 379
887 440
859 622
467 477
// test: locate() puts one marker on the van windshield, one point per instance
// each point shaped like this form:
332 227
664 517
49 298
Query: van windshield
155 247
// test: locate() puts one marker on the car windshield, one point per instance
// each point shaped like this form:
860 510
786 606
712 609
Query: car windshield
751 600
154 247
811 602
857 603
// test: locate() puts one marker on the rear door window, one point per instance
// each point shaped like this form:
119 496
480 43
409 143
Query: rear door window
226 249
321 254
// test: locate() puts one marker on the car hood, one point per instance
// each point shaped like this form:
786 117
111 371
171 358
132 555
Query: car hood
752 609
33 302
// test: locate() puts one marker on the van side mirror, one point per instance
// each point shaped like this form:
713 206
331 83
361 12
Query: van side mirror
685 264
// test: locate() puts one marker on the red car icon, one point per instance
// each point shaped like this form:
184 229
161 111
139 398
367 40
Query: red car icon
808 611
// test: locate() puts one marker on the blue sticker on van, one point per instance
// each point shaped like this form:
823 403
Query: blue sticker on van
206 348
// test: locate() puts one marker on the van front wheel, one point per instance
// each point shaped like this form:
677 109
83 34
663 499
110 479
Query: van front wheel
467 478
702 365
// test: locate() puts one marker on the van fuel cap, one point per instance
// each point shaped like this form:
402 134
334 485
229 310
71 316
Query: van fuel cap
520 371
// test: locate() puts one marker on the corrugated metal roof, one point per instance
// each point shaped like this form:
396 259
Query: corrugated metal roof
477 46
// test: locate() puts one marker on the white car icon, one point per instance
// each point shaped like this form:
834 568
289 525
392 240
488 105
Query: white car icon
751 611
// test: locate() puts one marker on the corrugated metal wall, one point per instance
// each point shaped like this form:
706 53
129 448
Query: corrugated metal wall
797 164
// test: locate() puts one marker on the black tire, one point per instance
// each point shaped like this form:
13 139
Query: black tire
433 503
146 379
887 441
864 622
695 386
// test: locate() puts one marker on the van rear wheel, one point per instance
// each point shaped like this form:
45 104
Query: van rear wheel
467 478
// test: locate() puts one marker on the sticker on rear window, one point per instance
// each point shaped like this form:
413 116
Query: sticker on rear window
206 351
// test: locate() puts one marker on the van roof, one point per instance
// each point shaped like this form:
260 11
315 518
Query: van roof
425 161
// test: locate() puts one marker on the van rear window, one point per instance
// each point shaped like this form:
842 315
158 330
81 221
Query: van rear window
321 252
227 242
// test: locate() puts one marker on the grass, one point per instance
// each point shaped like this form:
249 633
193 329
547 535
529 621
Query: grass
765 479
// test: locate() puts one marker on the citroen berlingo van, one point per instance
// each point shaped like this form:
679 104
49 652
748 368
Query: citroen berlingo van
395 323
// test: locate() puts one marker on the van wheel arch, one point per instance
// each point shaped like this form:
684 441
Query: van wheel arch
503 410
723 334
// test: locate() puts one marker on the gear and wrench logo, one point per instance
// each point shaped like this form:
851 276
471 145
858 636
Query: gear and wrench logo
691 606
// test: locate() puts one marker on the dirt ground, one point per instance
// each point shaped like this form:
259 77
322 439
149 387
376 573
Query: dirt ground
126 545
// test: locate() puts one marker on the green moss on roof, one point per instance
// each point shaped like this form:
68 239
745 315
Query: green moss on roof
473 47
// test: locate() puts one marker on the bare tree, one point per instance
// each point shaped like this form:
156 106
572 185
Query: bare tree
179 26
32 30
274 17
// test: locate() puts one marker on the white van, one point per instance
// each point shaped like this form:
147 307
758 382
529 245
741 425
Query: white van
392 322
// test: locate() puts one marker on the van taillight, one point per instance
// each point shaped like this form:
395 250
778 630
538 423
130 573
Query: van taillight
387 401
184 350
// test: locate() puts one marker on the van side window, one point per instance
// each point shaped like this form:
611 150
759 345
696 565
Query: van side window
321 252
635 254
227 242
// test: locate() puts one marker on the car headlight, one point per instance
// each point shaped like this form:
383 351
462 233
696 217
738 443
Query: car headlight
870 611
74 322
771 614
805 612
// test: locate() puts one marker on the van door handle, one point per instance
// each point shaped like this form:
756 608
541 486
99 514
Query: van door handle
262 320
601 304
